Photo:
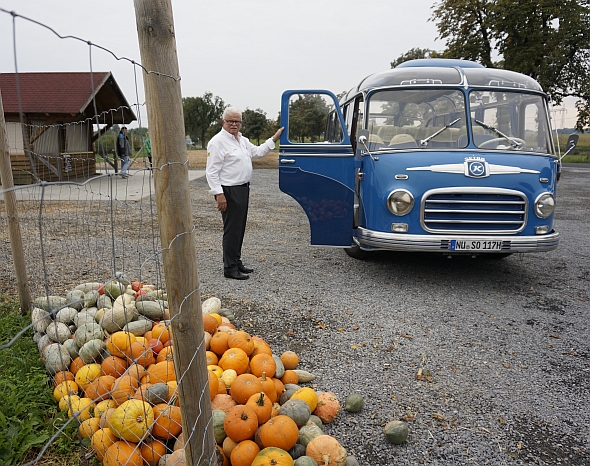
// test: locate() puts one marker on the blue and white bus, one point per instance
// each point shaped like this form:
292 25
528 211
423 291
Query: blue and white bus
435 155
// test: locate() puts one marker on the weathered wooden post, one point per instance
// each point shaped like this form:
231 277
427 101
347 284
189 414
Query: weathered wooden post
16 243
157 44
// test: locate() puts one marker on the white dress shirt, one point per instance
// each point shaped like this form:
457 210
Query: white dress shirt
229 161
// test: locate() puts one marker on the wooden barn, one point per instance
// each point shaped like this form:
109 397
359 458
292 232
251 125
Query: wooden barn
61 113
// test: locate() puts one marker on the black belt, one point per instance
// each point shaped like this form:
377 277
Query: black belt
245 184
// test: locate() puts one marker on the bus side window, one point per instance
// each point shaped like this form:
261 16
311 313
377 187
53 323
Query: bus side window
312 119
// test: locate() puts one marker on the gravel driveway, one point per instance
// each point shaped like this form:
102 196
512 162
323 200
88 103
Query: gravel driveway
502 345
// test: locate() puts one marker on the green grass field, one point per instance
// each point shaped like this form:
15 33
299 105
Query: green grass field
582 154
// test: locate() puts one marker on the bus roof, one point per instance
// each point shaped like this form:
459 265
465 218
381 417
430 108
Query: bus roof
442 71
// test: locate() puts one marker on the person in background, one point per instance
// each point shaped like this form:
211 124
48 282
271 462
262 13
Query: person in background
148 148
124 151
229 171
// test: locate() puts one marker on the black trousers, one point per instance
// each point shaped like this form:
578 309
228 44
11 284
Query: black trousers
234 224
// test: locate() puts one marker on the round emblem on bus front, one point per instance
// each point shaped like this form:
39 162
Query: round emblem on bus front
477 169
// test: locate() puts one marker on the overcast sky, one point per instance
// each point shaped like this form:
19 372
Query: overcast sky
245 51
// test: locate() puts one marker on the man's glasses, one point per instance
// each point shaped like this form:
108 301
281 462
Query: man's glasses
234 122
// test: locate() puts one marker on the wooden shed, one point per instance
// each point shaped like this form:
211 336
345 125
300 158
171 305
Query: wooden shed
63 115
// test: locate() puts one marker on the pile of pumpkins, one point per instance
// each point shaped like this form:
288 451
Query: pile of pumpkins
109 350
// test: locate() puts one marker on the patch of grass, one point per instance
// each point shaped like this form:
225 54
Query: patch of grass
582 154
28 412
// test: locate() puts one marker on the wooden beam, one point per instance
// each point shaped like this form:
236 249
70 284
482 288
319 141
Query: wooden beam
157 45
16 242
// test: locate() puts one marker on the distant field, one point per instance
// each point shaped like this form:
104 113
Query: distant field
198 159
582 154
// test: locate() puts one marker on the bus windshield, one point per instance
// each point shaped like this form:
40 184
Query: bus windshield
509 121
417 118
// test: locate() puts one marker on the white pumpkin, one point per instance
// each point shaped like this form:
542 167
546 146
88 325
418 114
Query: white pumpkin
211 305
57 358
40 319
58 332
66 315
87 332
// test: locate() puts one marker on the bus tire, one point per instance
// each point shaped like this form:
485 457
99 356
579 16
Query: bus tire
356 252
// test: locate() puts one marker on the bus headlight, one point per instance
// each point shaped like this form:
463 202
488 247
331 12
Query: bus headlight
400 202
544 205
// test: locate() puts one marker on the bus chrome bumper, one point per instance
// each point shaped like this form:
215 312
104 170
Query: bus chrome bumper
370 240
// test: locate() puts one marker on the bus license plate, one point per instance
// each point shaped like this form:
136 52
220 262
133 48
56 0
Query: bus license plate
475 245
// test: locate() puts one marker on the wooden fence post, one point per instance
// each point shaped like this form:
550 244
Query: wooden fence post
16 243
157 44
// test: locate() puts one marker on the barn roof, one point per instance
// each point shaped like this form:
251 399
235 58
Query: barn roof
64 93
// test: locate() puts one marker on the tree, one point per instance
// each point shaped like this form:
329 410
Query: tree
254 123
307 117
414 54
200 113
547 40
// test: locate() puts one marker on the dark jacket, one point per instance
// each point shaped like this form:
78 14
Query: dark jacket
123 146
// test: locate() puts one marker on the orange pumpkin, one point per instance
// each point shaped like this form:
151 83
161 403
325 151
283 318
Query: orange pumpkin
123 453
161 372
101 440
328 407
100 389
240 423
244 387
213 384
167 421
244 453
62 376
280 431
261 347
290 359
210 323
219 343
152 452
136 371
236 359
263 363
165 354
212 358
161 331
223 402
261 404
327 450
279 387
268 387
141 353
242 340
76 365
113 365
290 376
124 389
119 342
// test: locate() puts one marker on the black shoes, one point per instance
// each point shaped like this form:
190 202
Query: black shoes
236 275
242 268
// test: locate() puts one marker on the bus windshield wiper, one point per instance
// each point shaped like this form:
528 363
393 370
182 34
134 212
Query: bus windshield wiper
513 142
424 142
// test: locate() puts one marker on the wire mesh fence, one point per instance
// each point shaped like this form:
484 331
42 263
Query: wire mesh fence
94 259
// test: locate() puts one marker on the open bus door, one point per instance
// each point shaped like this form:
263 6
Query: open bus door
317 164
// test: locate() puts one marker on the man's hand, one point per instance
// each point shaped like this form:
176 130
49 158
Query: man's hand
221 202
277 135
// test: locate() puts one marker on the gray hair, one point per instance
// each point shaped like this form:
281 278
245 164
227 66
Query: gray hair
231 110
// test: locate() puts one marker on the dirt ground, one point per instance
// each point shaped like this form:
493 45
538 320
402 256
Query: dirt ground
198 159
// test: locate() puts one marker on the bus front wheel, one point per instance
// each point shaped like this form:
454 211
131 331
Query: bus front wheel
356 252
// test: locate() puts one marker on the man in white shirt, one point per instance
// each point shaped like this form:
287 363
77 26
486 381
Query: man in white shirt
229 171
